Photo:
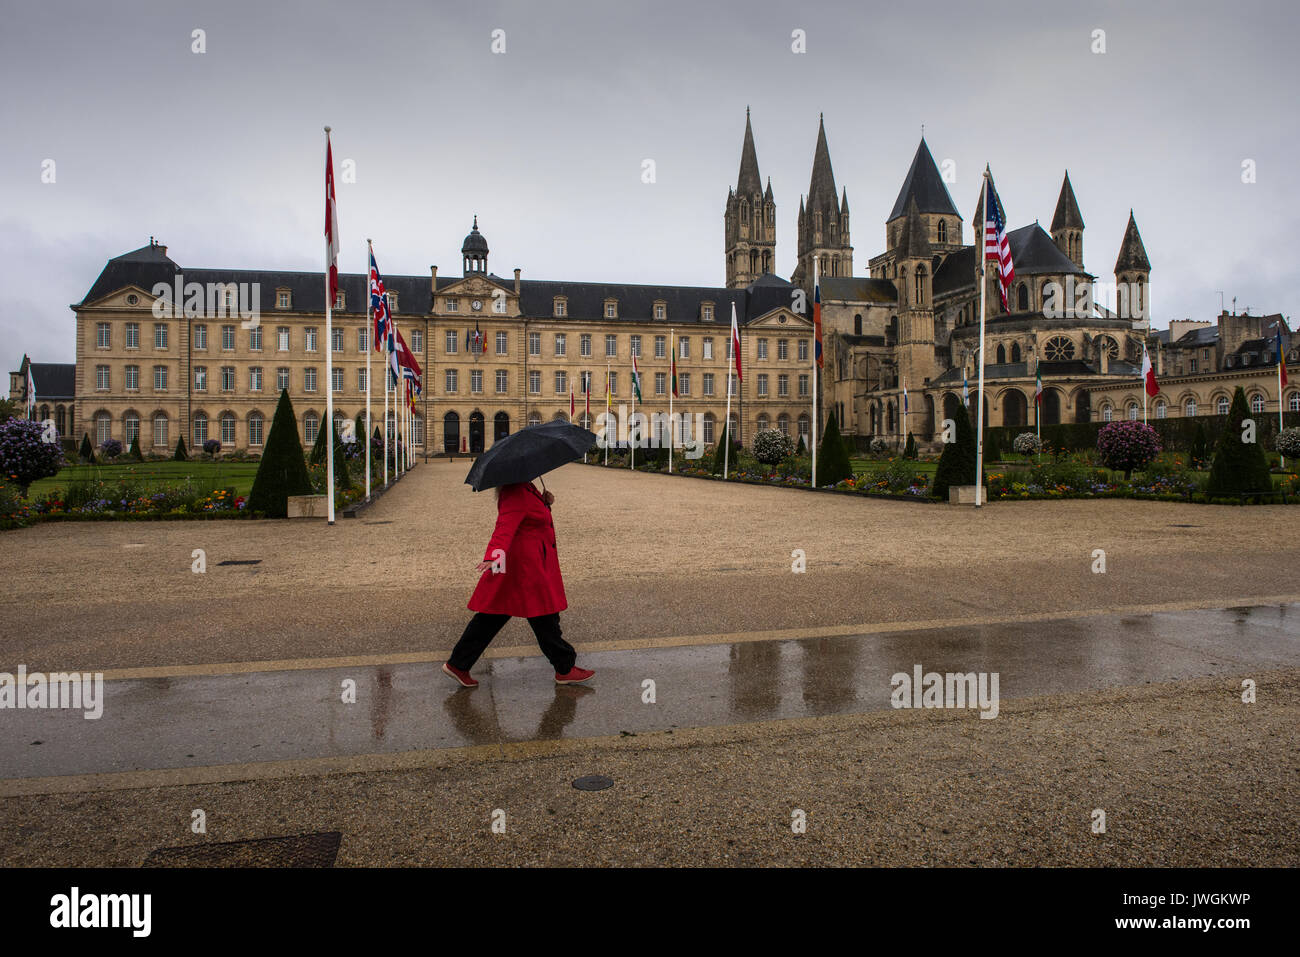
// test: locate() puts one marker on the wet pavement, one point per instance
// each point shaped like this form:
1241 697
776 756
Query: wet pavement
181 722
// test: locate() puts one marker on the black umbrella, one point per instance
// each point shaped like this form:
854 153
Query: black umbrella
528 453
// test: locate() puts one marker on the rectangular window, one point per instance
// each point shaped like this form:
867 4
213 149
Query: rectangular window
534 343
635 347
417 341
661 379
227 338
499 304
101 378
708 313
363 383
803 350
707 347
613 383
451 342
200 378
132 430
254 378
503 381
160 335
200 431
450 380
782 386
133 335
611 311
227 378
1191 365
561 343
281 379
336 379
684 347
282 338
102 335
255 339
707 384
160 430
309 338
804 389
476 380
255 428
561 382
661 347
363 339
339 300
336 340
308 380
659 311
201 337
559 307
227 430
502 343
160 378
611 346
453 305
783 348
534 381
762 384
132 378
282 299
683 383
584 345
762 348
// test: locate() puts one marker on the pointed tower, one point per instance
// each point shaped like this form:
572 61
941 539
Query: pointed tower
1067 224
823 224
924 186
750 220
915 260
1133 275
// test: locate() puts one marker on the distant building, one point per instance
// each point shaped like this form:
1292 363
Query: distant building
55 392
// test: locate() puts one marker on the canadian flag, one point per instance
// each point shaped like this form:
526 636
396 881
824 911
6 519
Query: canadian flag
331 222
1148 373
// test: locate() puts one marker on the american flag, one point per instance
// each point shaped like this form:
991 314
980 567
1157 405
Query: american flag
996 247
378 304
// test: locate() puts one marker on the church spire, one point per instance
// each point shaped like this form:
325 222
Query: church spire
749 183
1132 254
1067 208
749 219
821 188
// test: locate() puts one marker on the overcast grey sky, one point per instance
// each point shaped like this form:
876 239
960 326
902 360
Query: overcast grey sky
220 154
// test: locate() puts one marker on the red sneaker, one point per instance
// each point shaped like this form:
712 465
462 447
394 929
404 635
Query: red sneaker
573 676
462 678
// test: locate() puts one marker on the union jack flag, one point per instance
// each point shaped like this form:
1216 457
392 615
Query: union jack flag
378 304
996 246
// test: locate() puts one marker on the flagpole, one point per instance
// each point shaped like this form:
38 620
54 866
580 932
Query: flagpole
984 292
1280 423
370 331
732 348
385 373
607 414
816 271
329 360
672 384
632 421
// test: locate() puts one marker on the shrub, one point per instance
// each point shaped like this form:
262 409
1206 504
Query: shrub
24 455
87 452
771 446
1287 442
180 455
720 450
1027 443
111 448
1200 447
957 463
212 447
909 450
992 447
1127 445
879 446
832 457
1239 466
282 471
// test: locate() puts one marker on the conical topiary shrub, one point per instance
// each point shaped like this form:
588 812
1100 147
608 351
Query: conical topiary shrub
909 450
87 451
282 471
1239 466
957 463
833 464
720 451
134 451
180 455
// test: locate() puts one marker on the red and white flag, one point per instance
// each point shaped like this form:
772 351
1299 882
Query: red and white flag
1148 373
331 222
735 341
571 406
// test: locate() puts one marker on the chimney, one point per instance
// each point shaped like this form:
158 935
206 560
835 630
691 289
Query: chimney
433 280
516 282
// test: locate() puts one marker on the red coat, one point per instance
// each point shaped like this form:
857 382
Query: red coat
531 584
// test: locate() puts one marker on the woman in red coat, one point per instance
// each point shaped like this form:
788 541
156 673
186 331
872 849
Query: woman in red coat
521 577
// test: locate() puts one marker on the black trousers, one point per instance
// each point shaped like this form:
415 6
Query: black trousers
482 628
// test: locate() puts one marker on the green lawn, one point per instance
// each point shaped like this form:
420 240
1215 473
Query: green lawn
238 475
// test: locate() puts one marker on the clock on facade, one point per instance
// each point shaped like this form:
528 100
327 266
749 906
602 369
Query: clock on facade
477 305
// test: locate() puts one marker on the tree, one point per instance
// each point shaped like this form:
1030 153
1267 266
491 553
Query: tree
720 450
134 451
1239 462
909 450
1127 445
992 447
317 455
957 463
25 456
11 409
181 455
282 471
1200 450
86 452
833 464
771 446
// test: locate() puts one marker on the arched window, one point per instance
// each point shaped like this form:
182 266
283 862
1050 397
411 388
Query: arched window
710 429
1002 354
227 428
1221 406
103 427
131 421
199 433
417 430
1132 411
255 428
310 426
160 429
857 324
943 231
1257 403
1189 409
920 285
1107 413
1293 403
783 423
1022 297
1015 352
1058 349
534 418
1162 410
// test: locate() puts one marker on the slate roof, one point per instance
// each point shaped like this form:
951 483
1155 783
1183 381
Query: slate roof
1132 254
146 266
914 241
55 380
1034 253
924 184
1067 208
957 271
858 289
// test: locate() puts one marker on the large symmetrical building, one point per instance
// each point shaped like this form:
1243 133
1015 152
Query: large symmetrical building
164 350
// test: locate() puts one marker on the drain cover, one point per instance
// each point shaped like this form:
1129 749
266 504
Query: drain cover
303 850
241 561
593 782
